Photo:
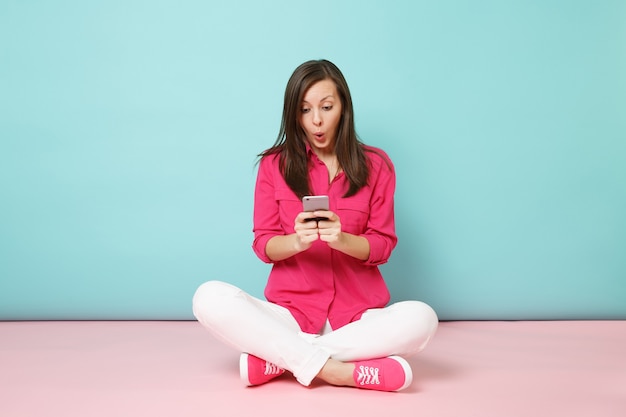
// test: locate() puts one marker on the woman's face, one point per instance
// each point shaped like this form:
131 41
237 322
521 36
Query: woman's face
320 113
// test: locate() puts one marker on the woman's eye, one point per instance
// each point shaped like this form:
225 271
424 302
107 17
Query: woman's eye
305 110
327 108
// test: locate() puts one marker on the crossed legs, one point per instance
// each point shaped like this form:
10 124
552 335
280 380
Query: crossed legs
270 332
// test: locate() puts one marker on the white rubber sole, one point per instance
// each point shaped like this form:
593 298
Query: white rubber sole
243 369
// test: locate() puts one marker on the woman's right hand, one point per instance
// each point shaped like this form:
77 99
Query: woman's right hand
281 247
306 231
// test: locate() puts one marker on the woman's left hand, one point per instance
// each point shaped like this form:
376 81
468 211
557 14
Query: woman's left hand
329 230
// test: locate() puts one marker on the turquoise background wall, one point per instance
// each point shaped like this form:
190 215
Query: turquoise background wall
129 129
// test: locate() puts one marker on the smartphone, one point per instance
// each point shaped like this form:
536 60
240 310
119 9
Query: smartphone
313 203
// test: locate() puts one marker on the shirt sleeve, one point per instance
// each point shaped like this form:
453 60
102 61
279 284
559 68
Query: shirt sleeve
380 231
266 220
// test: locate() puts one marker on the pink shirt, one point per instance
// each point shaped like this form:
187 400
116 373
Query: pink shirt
321 283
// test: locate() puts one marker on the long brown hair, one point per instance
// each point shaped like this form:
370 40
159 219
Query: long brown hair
291 142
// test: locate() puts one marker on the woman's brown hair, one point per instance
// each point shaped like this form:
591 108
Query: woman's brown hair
291 142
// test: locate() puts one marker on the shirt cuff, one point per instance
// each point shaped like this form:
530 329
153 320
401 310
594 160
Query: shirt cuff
259 248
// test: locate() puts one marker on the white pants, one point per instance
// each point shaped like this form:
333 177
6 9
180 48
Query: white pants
270 332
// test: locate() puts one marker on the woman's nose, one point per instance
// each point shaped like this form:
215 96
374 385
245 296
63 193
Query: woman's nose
317 119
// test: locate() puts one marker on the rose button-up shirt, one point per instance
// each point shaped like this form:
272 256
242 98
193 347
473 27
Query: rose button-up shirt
320 283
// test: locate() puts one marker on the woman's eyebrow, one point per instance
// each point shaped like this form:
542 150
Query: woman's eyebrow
325 98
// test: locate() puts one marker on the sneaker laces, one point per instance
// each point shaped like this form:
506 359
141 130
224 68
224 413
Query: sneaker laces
367 375
271 369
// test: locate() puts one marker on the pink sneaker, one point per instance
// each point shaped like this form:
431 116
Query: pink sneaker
256 371
386 374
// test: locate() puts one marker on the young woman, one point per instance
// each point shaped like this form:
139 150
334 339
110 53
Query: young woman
326 314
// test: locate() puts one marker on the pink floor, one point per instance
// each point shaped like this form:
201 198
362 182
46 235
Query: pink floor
483 369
